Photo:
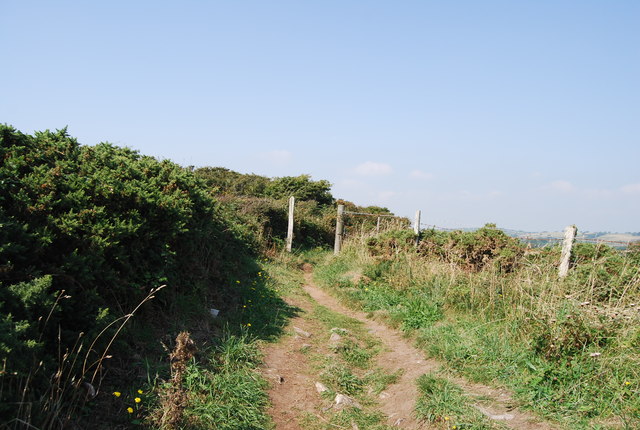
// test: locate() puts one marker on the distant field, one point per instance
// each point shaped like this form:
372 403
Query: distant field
615 237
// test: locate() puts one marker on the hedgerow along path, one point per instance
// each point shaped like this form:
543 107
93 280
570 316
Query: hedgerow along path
293 393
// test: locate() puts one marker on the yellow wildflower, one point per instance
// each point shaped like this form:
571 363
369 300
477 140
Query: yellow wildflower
140 392
248 324
130 409
137 399
117 393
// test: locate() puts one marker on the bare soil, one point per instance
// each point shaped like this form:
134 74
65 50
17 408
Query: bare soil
293 392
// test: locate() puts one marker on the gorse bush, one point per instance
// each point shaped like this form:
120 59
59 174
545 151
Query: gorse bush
260 207
85 232
474 250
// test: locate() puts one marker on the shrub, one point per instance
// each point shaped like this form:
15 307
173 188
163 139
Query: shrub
474 250
89 229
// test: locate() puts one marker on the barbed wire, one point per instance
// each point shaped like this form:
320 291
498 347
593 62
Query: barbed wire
376 215
532 238
505 230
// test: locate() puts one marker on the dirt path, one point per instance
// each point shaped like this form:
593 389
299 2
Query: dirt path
292 384
398 400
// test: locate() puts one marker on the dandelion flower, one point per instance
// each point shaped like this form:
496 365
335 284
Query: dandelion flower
248 324
627 383
130 409
446 418
137 399
140 392
117 393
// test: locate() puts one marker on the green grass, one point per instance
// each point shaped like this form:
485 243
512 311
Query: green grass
442 403
223 388
227 394
524 329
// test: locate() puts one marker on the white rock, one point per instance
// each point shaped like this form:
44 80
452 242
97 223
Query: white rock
342 400
321 388
301 332
335 337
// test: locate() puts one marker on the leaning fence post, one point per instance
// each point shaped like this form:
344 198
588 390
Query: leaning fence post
292 203
569 238
416 227
339 230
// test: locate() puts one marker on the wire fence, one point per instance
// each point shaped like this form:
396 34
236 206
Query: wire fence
367 227
539 239
375 215
534 239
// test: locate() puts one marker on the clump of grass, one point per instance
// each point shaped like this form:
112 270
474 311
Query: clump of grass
442 403
342 378
220 390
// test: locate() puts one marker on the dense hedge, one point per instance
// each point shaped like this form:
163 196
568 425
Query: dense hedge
103 224
260 205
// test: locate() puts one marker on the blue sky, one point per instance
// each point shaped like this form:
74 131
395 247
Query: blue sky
522 113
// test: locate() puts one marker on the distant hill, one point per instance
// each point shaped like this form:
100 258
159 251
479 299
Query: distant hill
549 237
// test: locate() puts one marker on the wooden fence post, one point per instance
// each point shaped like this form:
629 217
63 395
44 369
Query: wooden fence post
416 227
569 238
339 230
378 226
292 202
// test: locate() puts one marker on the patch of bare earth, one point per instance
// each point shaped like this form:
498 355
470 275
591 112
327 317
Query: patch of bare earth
292 382
292 390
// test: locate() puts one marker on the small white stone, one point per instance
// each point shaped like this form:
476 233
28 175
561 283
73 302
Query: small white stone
321 388
342 400
335 337
301 332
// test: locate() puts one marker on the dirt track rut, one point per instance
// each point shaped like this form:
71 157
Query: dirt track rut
398 400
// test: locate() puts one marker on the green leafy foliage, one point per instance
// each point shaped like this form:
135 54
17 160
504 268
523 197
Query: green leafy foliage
86 229
302 188
474 250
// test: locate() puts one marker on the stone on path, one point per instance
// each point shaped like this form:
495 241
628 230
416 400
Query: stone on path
321 388
342 400
301 332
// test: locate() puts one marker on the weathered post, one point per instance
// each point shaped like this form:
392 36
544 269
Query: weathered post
416 227
292 203
569 238
339 230
378 226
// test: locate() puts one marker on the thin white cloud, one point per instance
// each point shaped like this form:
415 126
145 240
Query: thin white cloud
562 186
419 174
631 189
279 157
384 196
599 193
371 168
